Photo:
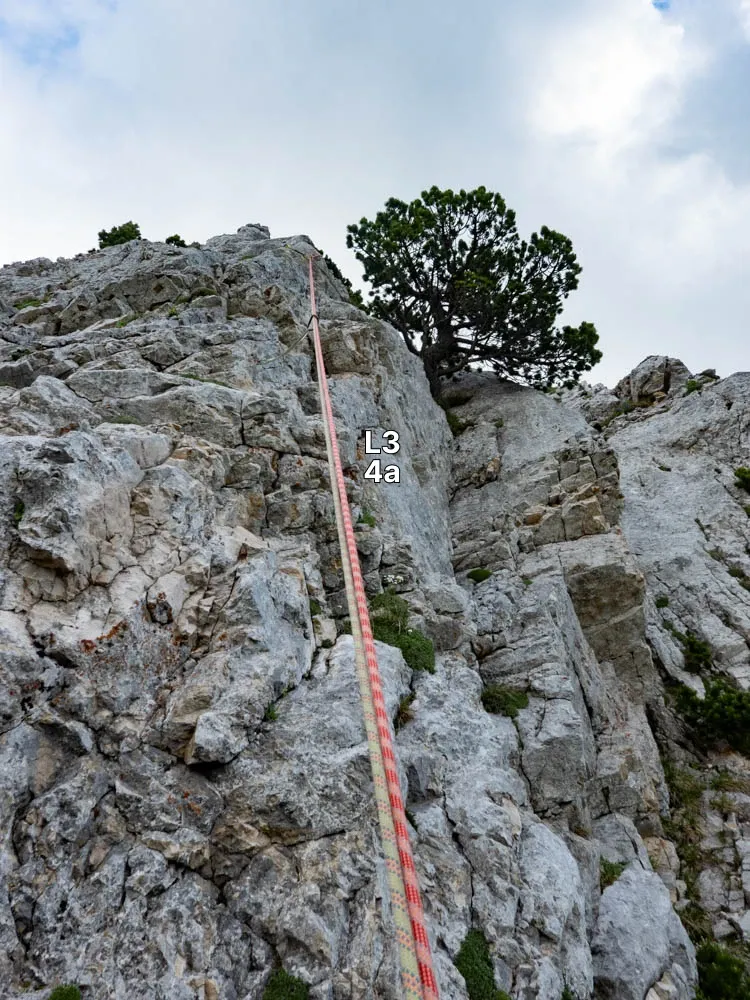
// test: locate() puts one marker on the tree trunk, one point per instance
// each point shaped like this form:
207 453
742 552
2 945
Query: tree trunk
435 354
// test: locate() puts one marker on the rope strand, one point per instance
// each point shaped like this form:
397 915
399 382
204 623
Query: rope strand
417 975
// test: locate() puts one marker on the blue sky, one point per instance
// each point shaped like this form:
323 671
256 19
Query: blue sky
622 125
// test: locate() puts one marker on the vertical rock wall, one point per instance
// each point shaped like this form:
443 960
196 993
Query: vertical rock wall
185 793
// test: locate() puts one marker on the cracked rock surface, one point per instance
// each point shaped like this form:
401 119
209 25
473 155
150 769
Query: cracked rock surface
185 791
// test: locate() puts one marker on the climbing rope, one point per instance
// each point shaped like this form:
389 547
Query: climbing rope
417 975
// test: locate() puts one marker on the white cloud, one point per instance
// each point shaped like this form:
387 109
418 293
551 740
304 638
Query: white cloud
613 79
306 117
743 12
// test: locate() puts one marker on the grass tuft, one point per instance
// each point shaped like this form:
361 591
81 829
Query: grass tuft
479 575
282 986
498 699
609 872
475 965
390 616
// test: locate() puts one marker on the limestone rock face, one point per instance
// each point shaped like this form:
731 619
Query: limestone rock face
186 798
656 375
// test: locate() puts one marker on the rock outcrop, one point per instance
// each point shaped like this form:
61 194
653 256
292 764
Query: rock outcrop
185 792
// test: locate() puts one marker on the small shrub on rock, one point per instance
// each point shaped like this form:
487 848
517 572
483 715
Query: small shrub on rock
367 518
175 241
742 578
119 234
662 601
721 975
282 986
609 872
18 511
692 385
456 397
456 424
390 616
65 993
501 700
404 713
475 965
479 575
697 653
742 478
722 716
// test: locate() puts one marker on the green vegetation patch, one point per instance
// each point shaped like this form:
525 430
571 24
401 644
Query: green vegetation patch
697 653
282 986
609 872
721 974
662 601
475 965
480 574
722 716
404 713
315 607
18 511
456 424
175 241
367 518
26 303
65 993
742 478
740 576
498 699
456 397
270 714
692 385
390 616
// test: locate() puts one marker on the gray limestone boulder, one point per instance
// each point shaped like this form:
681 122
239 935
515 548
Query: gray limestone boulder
639 938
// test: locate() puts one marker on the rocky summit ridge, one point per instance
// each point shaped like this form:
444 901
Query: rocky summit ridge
185 792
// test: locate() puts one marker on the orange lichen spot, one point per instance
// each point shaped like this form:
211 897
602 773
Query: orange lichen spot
121 626
87 645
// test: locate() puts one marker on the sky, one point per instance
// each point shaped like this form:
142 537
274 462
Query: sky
622 123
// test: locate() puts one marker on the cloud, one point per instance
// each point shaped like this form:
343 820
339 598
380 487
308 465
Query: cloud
306 117
613 80
743 12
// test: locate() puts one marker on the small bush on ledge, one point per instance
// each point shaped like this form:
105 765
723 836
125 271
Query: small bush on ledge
742 478
721 975
609 872
722 716
390 616
479 575
456 424
475 965
65 993
282 986
501 700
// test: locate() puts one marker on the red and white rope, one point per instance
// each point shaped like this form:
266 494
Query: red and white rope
417 973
